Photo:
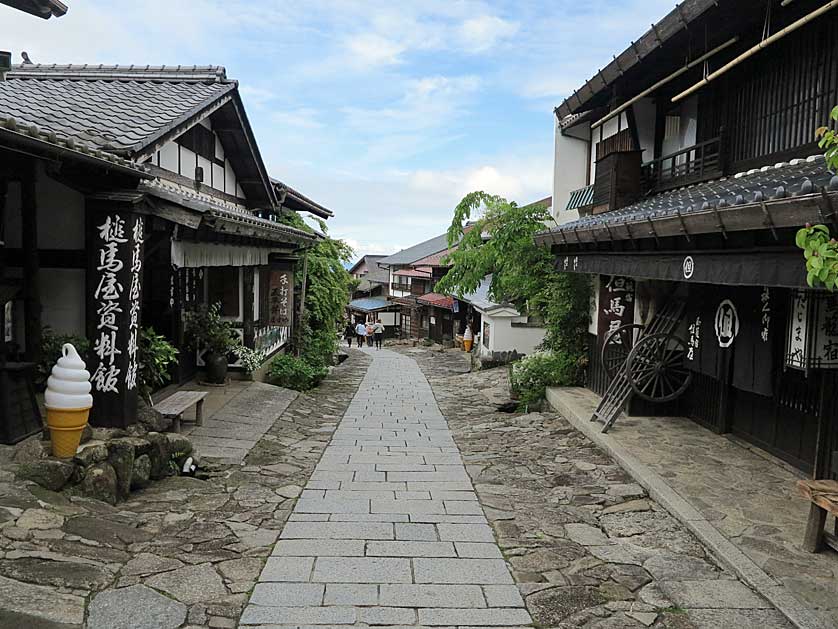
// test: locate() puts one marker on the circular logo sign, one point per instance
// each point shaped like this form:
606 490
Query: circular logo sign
689 267
727 323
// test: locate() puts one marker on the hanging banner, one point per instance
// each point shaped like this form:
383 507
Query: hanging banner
281 298
616 304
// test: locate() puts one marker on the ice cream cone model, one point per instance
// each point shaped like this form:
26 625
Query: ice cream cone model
68 402
468 339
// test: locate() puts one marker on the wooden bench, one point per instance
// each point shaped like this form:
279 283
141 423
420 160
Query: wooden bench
174 406
823 494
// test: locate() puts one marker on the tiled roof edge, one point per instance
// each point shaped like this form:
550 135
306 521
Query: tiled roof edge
92 72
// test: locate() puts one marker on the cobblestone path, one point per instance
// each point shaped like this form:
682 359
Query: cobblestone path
388 531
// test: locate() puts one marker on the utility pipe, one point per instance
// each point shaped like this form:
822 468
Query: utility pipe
662 82
763 44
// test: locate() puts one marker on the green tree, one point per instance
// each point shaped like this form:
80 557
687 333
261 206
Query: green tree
500 242
327 293
820 249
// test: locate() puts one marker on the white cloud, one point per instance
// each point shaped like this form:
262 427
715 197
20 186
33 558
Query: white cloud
485 31
370 50
301 118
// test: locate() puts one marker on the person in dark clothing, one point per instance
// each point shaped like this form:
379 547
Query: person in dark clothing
349 333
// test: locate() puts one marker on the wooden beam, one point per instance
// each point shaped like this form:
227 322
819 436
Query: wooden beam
247 315
31 266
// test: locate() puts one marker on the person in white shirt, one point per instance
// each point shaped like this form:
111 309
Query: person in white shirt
361 331
378 331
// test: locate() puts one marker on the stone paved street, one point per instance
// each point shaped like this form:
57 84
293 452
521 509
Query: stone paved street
388 530
587 547
182 553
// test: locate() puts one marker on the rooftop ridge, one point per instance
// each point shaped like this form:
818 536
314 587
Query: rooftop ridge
179 73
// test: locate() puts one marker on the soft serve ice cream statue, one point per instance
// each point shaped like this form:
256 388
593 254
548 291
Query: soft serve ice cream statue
68 402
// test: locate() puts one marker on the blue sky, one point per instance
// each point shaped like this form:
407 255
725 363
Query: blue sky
387 113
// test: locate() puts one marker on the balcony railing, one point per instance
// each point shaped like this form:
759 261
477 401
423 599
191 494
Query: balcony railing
400 286
693 164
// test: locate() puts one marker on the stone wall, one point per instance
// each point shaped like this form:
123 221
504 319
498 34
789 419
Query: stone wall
110 463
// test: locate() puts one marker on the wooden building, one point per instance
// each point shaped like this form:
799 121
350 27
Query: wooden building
129 195
682 171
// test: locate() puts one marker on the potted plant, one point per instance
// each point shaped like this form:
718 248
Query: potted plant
206 331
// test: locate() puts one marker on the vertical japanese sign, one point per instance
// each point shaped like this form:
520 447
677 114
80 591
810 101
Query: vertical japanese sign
826 342
616 304
796 355
281 298
114 305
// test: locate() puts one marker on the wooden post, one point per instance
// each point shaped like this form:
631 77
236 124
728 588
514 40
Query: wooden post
298 333
247 302
4 186
31 265
813 538
114 241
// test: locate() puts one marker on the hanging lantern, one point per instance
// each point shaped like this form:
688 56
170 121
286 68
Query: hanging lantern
812 336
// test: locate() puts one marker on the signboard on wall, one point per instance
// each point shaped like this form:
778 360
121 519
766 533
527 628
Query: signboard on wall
281 298
812 336
616 304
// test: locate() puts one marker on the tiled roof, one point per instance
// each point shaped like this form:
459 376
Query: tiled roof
39 8
786 179
417 252
119 109
435 299
370 304
420 272
433 259
225 211
299 202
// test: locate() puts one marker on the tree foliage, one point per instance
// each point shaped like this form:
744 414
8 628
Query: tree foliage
328 287
828 140
500 242
820 249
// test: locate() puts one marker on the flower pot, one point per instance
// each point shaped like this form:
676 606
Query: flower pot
65 429
216 366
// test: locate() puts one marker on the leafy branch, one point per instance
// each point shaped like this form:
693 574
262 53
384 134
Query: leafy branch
821 253
829 142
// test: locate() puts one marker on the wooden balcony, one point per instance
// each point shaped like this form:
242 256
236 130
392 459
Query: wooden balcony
693 164
400 287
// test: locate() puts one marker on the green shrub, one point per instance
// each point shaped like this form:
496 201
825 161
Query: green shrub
295 373
51 344
154 355
319 347
531 376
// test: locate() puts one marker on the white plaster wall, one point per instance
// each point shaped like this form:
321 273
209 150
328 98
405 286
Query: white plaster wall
220 178
594 309
644 116
570 169
168 157
503 337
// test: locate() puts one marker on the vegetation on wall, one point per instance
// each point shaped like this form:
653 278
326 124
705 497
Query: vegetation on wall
820 249
327 294
500 242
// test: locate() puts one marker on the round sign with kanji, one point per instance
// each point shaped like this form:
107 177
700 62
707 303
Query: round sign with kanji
689 267
726 323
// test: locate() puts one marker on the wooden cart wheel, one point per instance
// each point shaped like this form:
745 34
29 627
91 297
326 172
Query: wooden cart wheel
617 345
656 368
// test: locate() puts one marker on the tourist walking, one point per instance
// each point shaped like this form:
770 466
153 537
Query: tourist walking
361 333
349 332
370 333
378 331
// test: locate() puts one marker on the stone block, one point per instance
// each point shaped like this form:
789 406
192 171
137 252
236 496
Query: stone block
351 594
413 595
135 607
361 570
465 571
319 547
287 594
141 474
100 483
474 617
50 474
287 569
